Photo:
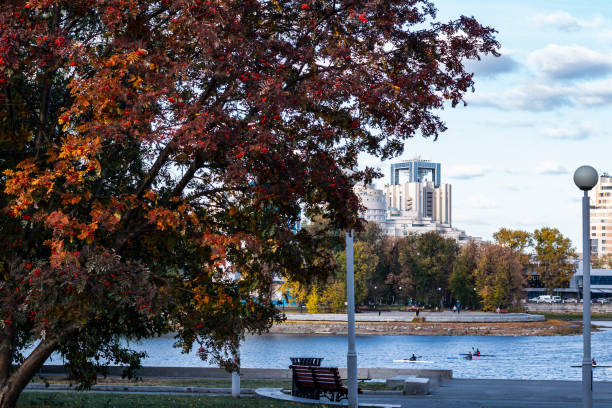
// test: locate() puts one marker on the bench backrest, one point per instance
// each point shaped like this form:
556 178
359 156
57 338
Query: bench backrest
324 378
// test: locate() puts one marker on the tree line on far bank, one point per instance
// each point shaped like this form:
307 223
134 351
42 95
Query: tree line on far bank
430 270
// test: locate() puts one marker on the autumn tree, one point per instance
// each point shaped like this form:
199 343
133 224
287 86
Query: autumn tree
498 277
151 151
462 282
365 261
517 240
554 255
374 237
426 263
601 262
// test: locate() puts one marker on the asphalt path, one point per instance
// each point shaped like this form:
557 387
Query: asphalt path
460 393
472 393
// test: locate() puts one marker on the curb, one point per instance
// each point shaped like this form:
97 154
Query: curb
277 394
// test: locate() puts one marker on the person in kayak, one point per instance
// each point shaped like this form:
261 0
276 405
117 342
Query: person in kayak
593 362
413 357
477 353
469 356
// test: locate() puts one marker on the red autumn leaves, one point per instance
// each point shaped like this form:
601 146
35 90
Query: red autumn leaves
262 150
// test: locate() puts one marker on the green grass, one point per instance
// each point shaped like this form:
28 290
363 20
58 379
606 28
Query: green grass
86 400
199 382
179 382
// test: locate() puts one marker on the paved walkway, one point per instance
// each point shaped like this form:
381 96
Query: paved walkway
463 317
460 393
457 393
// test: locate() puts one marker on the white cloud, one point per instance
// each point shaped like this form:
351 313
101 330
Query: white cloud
594 93
491 66
564 21
538 97
468 171
510 122
569 62
482 202
576 131
550 167
531 97
470 220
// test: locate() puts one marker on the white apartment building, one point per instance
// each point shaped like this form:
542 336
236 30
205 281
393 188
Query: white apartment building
601 216
421 200
374 201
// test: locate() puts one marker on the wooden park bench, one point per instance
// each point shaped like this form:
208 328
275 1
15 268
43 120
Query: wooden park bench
314 382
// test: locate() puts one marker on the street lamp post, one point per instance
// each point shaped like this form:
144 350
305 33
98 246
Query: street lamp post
586 178
351 355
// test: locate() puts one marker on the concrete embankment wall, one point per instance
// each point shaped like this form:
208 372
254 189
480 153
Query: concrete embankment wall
254 373
567 308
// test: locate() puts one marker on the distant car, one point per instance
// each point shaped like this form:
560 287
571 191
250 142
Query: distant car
544 299
570 300
603 300
556 299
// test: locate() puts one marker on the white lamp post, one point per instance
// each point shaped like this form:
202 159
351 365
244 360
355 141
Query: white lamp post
586 178
351 355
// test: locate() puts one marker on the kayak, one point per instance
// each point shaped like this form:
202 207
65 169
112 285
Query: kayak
596 366
413 361
478 355
465 358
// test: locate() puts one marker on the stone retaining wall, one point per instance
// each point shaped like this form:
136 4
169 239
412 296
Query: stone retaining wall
320 328
450 317
567 308
255 373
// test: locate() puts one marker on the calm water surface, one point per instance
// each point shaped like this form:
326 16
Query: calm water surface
528 357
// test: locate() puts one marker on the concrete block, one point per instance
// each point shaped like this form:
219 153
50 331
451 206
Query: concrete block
416 386
434 380
398 380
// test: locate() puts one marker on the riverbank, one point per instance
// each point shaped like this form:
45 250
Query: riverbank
542 328
428 323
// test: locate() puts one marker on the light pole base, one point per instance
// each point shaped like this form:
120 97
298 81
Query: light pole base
587 383
351 368
235 384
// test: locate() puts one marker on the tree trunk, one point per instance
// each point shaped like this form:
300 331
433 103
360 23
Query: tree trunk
6 353
11 387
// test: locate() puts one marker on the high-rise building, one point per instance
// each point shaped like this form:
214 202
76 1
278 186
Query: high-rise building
601 216
420 200
415 204
418 170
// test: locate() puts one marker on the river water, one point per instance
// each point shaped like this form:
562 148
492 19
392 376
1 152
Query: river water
527 357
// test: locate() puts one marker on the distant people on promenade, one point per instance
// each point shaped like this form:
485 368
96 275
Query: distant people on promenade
454 308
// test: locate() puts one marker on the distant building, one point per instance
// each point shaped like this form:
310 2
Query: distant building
601 216
601 281
417 203
601 284
418 170
420 200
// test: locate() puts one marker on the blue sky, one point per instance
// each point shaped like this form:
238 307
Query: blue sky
539 112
